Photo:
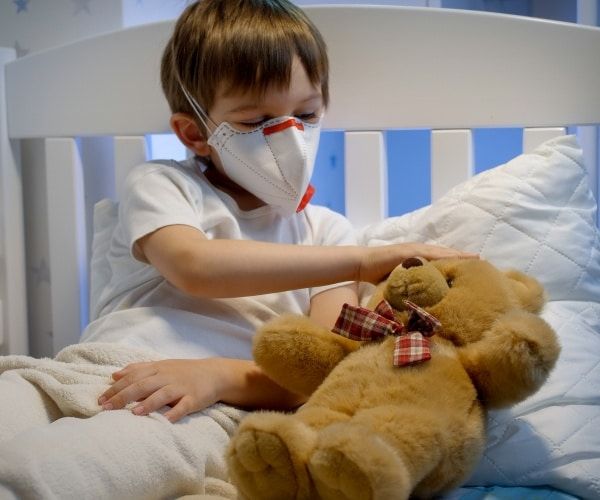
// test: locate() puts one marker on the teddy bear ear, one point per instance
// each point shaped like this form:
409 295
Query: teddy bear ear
528 290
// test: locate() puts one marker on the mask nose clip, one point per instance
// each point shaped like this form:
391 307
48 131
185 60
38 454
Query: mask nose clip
278 127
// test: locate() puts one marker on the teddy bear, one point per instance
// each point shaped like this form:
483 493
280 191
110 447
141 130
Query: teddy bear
397 393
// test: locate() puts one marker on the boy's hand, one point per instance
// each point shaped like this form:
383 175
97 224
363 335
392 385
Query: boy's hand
187 385
381 260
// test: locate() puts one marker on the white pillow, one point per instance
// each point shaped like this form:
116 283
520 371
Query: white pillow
536 213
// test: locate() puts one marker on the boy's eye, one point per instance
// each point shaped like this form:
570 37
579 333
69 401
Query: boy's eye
254 123
306 117
250 124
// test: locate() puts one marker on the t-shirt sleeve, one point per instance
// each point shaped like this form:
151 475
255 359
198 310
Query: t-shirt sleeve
155 196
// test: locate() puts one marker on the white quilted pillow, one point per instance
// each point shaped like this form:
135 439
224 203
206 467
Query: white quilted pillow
536 213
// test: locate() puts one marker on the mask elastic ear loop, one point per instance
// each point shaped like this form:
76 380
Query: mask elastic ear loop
200 113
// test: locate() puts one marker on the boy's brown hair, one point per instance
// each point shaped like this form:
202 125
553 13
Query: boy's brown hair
245 45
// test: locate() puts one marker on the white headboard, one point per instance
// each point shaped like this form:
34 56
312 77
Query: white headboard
391 67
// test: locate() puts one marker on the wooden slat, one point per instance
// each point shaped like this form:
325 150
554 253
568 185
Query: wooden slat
533 137
67 241
129 152
589 138
451 160
13 298
365 177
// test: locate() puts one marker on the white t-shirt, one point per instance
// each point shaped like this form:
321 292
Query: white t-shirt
139 307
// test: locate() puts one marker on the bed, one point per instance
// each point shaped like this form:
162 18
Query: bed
84 112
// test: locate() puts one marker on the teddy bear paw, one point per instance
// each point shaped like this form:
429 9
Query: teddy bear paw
261 464
356 465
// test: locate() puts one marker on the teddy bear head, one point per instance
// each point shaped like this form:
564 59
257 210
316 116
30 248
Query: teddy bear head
489 316
465 295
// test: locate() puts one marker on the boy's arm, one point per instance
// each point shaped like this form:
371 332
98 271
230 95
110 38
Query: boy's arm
236 268
233 268
190 385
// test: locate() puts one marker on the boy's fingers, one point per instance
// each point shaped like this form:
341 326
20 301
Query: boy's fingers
180 410
135 391
157 400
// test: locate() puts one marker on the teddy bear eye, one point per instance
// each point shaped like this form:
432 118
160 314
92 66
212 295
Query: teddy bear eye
449 282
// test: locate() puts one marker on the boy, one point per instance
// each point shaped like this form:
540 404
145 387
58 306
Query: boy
219 79
204 252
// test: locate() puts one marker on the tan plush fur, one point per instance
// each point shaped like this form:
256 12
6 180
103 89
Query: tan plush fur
370 430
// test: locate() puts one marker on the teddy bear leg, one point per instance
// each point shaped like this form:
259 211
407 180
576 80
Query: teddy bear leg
267 457
351 463
388 452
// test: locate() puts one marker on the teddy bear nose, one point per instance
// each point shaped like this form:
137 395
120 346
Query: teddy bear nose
412 262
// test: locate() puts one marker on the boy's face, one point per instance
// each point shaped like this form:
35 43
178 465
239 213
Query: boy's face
246 111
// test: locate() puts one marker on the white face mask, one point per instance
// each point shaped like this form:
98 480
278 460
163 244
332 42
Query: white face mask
274 162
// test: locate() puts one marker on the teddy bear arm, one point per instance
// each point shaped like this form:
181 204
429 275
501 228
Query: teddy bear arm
512 360
297 353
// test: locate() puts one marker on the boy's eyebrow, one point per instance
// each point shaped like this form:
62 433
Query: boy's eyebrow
245 107
316 95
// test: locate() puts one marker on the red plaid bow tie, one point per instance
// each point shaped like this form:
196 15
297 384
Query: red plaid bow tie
411 347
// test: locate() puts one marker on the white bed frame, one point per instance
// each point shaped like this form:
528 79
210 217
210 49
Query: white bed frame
391 67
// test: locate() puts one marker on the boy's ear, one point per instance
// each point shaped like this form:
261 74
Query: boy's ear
186 129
